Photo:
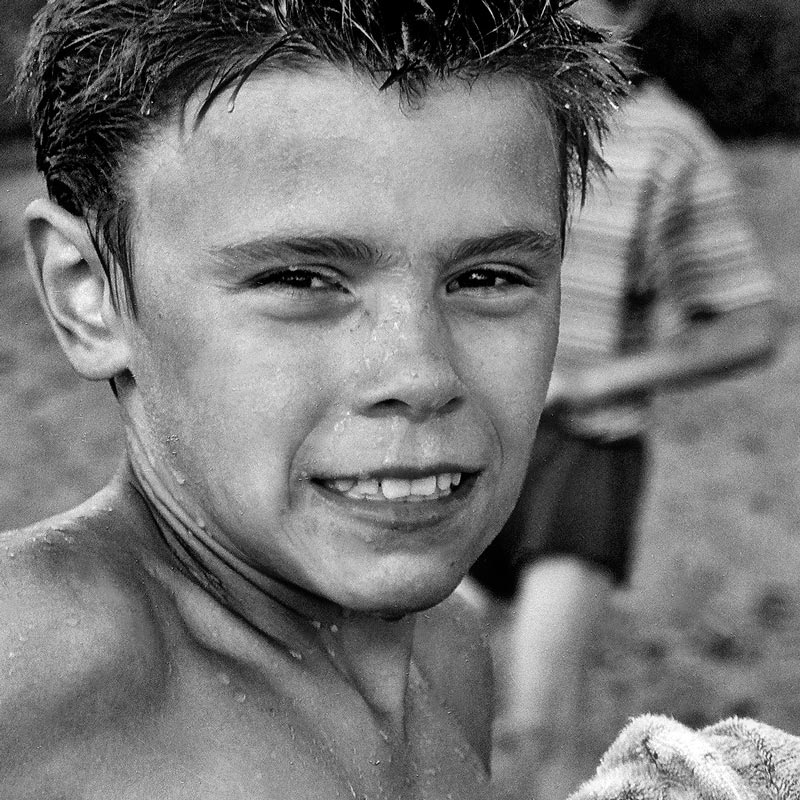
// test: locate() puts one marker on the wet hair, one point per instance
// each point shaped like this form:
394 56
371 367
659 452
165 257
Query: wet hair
100 76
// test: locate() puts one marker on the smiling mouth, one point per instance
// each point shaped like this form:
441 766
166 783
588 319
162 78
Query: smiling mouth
398 490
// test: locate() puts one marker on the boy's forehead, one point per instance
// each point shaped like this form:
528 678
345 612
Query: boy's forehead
328 142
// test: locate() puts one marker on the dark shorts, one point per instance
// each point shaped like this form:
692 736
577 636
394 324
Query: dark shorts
581 497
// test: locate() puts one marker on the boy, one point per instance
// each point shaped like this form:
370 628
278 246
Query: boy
315 249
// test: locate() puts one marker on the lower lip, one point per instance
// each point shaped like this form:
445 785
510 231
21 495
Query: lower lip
400 514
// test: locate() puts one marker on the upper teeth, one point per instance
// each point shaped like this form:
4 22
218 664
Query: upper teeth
397 488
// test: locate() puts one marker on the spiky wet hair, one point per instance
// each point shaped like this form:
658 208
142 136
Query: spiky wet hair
99 75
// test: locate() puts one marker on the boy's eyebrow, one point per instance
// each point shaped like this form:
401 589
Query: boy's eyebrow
528 240
269 248
348 248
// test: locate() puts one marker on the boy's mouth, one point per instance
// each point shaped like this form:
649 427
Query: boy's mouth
409 490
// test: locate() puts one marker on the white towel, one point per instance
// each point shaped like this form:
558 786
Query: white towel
657 758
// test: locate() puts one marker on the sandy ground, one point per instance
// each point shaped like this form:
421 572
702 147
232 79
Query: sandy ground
711 624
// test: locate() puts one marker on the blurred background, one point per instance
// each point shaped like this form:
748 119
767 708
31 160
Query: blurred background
711 624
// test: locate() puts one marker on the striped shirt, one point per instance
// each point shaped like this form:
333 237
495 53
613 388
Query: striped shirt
672 189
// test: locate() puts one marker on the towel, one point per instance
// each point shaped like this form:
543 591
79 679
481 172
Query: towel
657 758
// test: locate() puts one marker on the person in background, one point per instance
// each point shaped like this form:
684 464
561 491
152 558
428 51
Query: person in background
663 286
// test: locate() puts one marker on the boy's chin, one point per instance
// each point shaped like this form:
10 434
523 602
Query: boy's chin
404 600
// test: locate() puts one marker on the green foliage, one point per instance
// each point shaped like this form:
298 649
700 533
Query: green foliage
17 15
736 61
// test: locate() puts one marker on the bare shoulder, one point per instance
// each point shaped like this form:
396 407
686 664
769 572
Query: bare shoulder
78 640
451 645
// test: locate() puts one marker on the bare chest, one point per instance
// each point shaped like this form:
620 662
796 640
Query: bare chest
224 736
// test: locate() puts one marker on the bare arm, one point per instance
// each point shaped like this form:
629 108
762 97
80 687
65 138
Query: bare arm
708 348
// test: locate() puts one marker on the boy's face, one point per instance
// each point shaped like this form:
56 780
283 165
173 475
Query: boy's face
335 291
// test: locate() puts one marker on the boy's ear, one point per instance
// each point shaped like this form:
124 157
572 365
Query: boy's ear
75 291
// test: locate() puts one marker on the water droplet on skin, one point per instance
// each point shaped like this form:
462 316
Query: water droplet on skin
384 735
12 655
316 624
224 679
201 523
296 655
22 637
241 697
180 480
334 629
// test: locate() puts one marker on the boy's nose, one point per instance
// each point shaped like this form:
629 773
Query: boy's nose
408 366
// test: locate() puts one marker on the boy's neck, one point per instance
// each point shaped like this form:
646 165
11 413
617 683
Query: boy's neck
374 655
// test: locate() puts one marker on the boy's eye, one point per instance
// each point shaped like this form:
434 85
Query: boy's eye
300 279
486 278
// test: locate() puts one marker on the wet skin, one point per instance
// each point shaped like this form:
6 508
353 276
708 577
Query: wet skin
347 311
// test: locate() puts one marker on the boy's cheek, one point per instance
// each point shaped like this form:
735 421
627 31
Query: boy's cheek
516 376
